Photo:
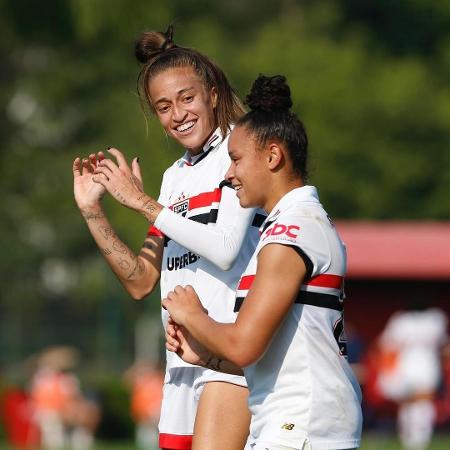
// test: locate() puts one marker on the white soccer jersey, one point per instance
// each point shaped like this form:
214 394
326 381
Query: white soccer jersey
303 390
193 188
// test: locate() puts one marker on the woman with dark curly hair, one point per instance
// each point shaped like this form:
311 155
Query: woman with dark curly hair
288 338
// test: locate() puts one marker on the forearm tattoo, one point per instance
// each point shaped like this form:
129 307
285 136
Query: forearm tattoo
213 363
127 261
120 197
149 207
92 215
106 232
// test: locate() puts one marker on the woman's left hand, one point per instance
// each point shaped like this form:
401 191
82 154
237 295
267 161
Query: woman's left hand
122 182
181 303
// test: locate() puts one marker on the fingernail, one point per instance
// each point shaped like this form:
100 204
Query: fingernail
109 148
137 159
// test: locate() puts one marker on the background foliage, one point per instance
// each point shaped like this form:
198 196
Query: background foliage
369 79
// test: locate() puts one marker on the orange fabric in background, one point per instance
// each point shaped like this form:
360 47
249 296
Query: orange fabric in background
146 396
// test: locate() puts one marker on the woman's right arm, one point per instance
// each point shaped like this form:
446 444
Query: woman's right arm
140 273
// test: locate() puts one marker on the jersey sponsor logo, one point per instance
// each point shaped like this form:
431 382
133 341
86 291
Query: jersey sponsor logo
288 426
291 231
179 262
181 207
203 200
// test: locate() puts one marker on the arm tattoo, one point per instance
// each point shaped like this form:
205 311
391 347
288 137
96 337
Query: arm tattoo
213 363
148 245
106 232
119 246
149 208
123 264
106 251
89 215
138 269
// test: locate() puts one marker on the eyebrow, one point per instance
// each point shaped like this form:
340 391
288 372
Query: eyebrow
180 92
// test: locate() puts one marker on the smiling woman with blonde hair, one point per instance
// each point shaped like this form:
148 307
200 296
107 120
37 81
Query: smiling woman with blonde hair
198 233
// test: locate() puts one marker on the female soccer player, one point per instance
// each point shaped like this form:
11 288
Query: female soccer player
198 235
288 336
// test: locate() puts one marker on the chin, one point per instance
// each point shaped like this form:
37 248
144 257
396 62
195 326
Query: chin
245 203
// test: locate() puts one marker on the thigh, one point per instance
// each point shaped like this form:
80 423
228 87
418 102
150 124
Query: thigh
223 418
178 409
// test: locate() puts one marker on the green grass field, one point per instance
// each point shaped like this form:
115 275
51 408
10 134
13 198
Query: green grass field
370 442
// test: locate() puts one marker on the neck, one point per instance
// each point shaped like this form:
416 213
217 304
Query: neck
278 191
197 150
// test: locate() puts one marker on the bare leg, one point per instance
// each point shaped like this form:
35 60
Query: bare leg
223 419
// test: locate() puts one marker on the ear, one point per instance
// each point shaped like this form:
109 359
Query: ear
214 97
275 156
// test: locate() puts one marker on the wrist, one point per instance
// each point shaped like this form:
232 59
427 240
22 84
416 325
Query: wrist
148 207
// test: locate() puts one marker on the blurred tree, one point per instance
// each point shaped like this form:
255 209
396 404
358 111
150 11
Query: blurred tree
369 79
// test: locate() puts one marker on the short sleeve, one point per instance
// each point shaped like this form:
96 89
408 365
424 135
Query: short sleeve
306 235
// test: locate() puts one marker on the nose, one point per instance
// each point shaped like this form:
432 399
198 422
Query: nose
179 114
230 172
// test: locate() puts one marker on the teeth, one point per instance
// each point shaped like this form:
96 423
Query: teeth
186 126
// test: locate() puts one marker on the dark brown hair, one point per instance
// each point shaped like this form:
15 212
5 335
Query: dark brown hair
270 117
156 51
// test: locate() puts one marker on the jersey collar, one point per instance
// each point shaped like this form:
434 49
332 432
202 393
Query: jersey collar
214 140
304 194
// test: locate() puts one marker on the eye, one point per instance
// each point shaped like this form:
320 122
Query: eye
164 108
188 98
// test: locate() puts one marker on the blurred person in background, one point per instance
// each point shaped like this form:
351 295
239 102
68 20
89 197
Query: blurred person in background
145 380
198 233
410 369
289 337
65 417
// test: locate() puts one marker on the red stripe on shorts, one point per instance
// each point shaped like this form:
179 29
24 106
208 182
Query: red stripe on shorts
175 441
327 281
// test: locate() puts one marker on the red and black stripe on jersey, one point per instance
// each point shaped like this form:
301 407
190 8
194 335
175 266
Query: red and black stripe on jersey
206 201
324 291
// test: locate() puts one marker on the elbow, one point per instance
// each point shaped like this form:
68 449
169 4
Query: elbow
244 359
244 355
138 292
227 261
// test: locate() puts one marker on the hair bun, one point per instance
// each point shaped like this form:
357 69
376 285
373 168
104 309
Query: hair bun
151 43
269 94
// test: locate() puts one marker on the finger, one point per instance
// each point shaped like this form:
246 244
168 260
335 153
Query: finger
76 167
172 340
170 348
103 171
93 160
172 323
101 179
100 156
179 289
111 165
190 289
164 303
170 330
86 167
121 161
136 169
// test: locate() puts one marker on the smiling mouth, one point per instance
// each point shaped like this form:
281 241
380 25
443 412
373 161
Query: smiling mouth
185 126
